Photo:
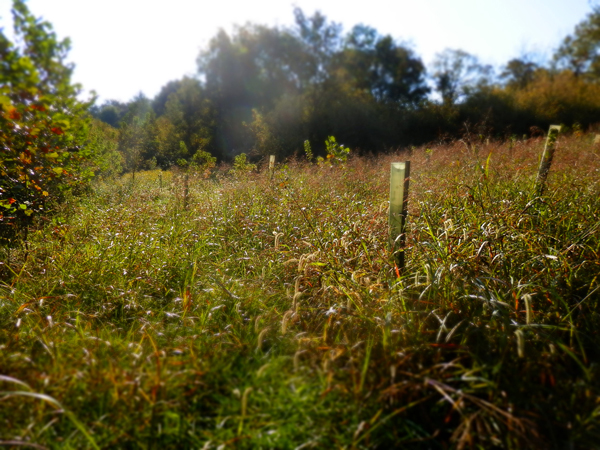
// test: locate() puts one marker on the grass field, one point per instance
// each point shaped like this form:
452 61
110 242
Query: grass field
244 312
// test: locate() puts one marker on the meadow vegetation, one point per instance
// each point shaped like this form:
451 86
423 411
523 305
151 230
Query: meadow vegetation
180 310
229 306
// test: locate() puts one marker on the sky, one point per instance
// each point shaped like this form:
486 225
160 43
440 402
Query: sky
123 47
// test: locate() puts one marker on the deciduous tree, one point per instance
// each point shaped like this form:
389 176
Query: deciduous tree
43 125
458 74
580 52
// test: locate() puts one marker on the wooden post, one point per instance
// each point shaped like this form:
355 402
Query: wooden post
547 156
399 179
186 190
271 166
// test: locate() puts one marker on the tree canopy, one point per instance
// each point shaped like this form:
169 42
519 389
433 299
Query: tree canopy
580 52
266 90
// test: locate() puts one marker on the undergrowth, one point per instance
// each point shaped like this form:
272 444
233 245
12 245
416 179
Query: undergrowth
250 312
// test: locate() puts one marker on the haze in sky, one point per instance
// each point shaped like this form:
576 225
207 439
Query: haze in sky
123 47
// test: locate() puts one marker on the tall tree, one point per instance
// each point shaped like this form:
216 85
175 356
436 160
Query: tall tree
580 52
110 112
191 114
320 40
159 103
390 72
458 74
518 73
251 69
104 138
138 134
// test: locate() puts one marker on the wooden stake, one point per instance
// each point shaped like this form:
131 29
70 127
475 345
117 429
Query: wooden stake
186 191
547 157
399 179
271 165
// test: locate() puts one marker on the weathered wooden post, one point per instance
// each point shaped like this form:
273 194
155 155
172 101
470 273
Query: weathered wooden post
186 190
271 166
546 161
399 179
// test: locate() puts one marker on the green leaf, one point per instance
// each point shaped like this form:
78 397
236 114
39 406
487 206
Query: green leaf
5 103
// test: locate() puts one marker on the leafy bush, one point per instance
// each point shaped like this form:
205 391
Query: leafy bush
103 139
42 124
241 165
203 162
308 151
336 153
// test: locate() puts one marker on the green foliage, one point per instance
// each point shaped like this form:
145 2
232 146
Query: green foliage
110 112
183 150
132 144
272 87
178 122
308 151
336 153
43 127
265 143
518 73
458 74
580 52
241 165
103 141
203 162
380 66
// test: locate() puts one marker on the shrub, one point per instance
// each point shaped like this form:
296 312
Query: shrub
42 124
336 153
203 162
241 165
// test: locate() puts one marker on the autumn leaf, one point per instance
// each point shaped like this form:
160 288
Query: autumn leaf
14 114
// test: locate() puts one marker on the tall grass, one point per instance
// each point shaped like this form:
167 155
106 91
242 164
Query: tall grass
256 313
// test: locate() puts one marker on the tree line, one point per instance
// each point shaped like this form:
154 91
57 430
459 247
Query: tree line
265 90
